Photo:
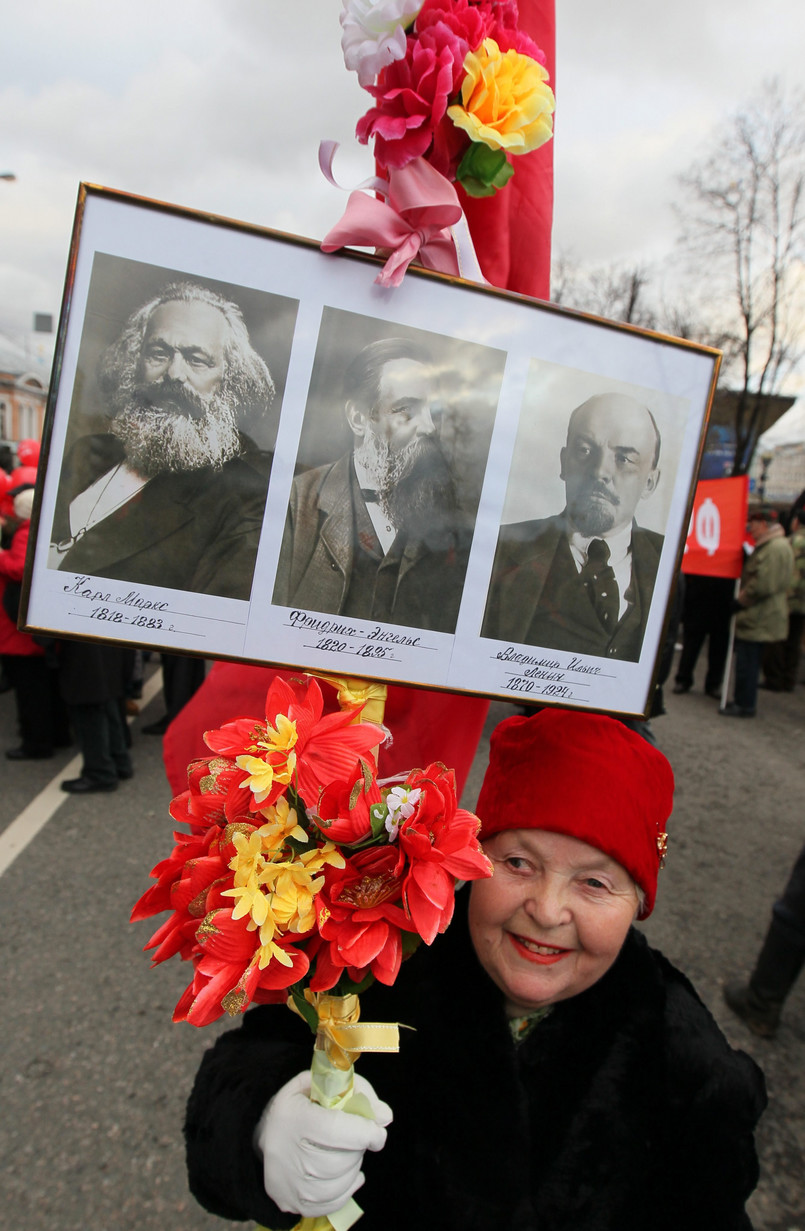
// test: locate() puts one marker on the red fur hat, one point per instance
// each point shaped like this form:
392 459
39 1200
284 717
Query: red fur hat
584 775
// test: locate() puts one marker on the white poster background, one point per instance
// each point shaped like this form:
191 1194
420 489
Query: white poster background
554 360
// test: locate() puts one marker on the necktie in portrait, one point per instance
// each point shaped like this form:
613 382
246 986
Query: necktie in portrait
599 582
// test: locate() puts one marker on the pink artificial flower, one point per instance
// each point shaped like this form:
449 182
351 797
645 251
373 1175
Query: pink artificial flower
450 144
412 96
476 20
467 21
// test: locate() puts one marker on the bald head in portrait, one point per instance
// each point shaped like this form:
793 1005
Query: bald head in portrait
582 580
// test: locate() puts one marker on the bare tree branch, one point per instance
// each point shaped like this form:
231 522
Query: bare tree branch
743 226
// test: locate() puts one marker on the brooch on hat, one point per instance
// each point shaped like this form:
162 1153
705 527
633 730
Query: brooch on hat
662 847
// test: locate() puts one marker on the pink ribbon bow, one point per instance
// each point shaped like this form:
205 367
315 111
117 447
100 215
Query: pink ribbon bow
414 220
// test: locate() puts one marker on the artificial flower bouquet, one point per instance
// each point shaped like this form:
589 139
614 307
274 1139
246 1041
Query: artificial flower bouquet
302 877
458 90
455 82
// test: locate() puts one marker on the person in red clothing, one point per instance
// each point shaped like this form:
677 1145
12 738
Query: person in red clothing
41 718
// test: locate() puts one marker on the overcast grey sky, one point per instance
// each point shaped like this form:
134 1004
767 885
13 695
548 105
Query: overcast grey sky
220 105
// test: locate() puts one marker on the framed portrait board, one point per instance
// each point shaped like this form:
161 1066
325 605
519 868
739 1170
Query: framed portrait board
254 452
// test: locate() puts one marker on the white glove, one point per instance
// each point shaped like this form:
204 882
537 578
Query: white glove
312 1155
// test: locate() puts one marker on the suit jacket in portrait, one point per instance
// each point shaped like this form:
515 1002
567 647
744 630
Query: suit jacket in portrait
331 561
196 531
538 598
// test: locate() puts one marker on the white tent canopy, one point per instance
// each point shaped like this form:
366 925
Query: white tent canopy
789 429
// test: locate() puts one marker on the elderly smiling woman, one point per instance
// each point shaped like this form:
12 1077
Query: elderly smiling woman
563 1076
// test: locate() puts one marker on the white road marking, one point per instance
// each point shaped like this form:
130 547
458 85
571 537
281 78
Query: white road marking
24 828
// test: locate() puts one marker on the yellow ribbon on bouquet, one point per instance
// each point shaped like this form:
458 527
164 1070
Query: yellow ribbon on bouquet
353 692
340 1034
340 1038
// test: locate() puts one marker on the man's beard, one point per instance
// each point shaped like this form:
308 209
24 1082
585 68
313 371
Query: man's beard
594 517
414 487
168 428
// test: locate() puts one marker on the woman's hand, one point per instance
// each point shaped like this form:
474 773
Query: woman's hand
312 1155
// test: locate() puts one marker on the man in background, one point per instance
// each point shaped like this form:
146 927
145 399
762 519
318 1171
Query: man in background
376 534
761 607
582 580
173 493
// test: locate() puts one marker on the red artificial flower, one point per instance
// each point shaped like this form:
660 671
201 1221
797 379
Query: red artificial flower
342 813
188 885
257 906
360 920
501 17
412 96
293 744
437 845
450 144
228 977
213 796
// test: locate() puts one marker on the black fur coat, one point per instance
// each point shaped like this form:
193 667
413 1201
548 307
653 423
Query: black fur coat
624 1109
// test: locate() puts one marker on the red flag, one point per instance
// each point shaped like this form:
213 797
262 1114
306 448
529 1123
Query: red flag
714 546
512 230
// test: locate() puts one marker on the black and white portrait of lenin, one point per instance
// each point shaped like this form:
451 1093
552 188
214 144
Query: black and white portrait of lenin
582 579
172 492
382 508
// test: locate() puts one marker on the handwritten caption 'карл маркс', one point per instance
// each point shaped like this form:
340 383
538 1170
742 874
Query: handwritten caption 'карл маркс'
131 609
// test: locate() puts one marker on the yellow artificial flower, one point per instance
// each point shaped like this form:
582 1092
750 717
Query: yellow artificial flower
292 887
277 894
281 823
292 899
505 101
249 858
318 856
279 739
250 900
269 951
262 775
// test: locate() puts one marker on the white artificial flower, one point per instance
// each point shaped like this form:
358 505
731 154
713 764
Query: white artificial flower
374 34
401 802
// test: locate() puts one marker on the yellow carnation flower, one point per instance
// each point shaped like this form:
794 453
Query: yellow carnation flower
505 101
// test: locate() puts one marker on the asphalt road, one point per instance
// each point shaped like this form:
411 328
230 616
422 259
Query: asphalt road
94 1075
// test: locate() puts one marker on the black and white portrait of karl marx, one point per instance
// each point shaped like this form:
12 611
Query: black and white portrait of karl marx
582 579
172 493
